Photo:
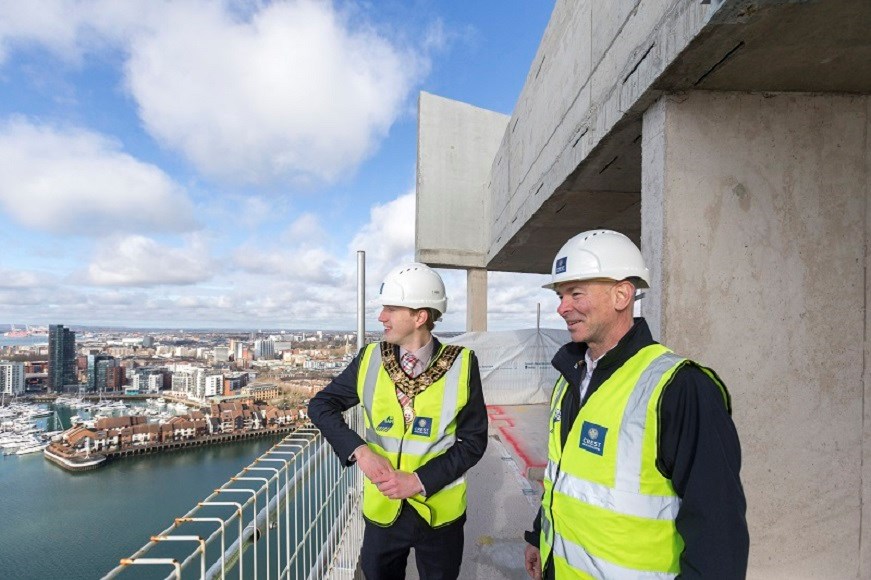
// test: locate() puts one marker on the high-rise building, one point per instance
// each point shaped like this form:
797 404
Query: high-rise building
115 377
264 349
214 385
190 380
61 357
98 365
11 378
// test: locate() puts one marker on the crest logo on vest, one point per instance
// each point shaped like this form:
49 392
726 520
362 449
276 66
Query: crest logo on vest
422 426
385 425
593 438
560 265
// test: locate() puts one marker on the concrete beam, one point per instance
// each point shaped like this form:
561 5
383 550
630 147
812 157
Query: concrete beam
456 144
573 140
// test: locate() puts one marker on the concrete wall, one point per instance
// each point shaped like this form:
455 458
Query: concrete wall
595 62
755 224
452 209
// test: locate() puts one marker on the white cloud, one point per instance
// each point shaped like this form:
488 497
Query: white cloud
141 261
512 299
301 264
74 181
295 92
249 92
305 229
12 279
388 236
54 25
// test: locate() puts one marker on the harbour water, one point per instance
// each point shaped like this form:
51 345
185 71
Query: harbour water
22 340
56 524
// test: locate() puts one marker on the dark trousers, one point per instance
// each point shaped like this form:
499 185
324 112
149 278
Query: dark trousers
439 552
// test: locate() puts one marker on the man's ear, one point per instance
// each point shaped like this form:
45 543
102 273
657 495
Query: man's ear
623 293
420 317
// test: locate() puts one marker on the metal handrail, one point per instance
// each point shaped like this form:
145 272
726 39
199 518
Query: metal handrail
313 498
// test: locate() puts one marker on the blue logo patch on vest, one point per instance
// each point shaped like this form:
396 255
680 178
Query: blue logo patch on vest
593 437
422 426
385 425
560 266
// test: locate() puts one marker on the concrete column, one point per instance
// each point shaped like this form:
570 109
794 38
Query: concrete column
755 225
476 300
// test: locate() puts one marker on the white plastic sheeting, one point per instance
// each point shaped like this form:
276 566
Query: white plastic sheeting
515 364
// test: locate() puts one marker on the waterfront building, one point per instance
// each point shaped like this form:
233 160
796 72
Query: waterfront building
234 382
214 385
61 357
114 377
98 365
261 392
190 380
11 378
148 379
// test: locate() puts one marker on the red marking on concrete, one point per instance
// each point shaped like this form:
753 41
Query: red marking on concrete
518 449
497 414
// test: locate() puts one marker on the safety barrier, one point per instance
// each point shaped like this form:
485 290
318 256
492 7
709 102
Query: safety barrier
294 513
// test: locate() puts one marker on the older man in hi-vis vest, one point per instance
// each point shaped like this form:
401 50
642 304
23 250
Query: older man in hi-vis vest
426 425
642 480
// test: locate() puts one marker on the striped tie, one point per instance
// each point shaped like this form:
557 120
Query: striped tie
408 361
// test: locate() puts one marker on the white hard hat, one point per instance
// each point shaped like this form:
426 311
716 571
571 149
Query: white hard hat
599 254
414 285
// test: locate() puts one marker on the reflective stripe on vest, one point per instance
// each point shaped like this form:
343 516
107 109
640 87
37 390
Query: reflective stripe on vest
583 563
407 449
631 505
625 497
449 406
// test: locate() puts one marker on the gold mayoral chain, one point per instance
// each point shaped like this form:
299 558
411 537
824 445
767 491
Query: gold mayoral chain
414 386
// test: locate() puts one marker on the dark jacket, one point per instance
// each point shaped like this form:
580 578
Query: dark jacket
325 410
698 450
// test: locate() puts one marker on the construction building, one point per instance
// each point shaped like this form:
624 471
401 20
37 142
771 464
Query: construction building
730 139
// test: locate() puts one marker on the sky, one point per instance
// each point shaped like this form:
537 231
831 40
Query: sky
218 164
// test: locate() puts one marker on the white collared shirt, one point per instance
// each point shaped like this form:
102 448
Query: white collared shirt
589 367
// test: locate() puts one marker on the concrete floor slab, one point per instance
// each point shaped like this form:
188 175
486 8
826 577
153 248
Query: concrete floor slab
502 501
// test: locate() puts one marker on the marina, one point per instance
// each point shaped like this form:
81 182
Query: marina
52 517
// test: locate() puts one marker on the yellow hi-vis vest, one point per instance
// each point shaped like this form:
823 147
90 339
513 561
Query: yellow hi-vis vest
607 511
432 432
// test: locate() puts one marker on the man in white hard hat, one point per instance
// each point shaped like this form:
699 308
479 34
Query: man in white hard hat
426 425
643 457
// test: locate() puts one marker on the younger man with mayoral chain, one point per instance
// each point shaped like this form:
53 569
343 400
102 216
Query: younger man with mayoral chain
426 425
642 480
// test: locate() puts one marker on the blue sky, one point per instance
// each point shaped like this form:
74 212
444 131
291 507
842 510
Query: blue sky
202 164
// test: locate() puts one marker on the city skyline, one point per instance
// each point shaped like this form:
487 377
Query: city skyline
143 185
